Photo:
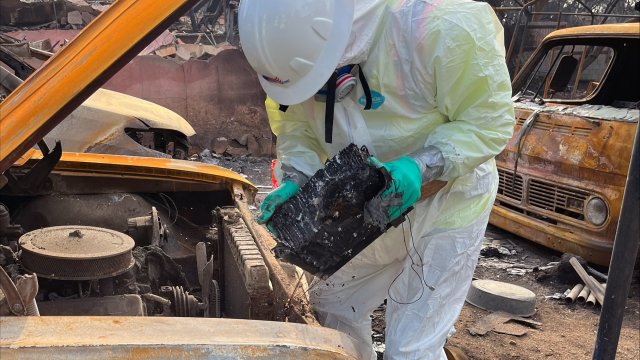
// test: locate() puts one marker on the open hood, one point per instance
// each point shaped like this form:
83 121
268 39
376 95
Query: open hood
77 71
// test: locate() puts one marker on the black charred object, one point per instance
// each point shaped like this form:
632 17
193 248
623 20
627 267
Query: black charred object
323 226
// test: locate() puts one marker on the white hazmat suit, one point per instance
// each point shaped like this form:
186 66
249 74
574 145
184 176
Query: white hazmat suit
438 77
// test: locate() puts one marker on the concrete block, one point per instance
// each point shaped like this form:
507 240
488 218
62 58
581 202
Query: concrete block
74 18
87 17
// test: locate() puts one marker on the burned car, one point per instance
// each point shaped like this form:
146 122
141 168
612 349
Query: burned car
562 175
106 255
108 121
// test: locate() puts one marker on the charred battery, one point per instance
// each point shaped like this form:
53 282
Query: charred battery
324 226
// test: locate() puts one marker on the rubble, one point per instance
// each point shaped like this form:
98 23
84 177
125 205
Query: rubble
56 14
193 71
75 18
56 38
499 322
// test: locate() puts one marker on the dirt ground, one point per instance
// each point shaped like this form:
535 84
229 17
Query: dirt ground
568 331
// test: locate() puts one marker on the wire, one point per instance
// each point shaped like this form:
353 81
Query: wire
166 197
166 206
404 238
293 292
423 280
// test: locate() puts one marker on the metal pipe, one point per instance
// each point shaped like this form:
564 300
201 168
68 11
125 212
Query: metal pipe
586 14
515 29
610 7
569 299
55 14
518 59
591 300
588 9
507 8
584 294
588 280
623 258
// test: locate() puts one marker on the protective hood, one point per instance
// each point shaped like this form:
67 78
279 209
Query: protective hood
367 18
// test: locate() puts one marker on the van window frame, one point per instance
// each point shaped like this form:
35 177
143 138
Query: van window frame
619 45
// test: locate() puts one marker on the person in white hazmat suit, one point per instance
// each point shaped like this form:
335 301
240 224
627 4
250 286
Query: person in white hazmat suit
429 95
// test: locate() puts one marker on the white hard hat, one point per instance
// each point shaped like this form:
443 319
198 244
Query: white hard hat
294 45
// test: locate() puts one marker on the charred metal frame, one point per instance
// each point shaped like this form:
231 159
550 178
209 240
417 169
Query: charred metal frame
525 12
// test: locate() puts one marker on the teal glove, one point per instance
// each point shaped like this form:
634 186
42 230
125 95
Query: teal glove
275 198
404 190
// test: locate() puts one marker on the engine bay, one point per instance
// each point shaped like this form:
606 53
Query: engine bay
133 254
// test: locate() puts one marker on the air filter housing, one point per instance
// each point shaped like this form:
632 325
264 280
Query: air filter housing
76 252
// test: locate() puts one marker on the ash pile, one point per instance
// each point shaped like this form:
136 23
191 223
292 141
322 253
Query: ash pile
324 225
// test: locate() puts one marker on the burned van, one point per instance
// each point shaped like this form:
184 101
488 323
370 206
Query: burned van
562 175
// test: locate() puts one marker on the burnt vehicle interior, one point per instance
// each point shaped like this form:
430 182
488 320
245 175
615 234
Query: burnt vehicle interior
583 71
116 246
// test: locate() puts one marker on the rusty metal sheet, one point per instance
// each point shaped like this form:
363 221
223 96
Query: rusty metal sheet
81 67
554 237
170 169
571 155
589 151
600 112
159 338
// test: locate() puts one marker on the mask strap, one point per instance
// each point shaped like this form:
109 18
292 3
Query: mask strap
331 99
329 107
365 88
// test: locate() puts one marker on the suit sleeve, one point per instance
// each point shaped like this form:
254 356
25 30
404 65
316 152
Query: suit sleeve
473 90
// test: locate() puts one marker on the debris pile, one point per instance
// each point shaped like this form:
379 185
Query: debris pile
214 18
194 68
499 254
56 14
256 169
589 292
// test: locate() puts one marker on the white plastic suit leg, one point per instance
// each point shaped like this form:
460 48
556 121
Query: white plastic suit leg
423 302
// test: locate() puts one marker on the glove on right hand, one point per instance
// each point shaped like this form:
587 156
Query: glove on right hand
404 190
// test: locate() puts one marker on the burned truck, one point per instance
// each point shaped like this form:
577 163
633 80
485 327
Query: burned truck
105 255
562 175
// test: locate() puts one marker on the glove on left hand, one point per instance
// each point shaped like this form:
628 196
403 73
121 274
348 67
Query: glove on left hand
275 198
